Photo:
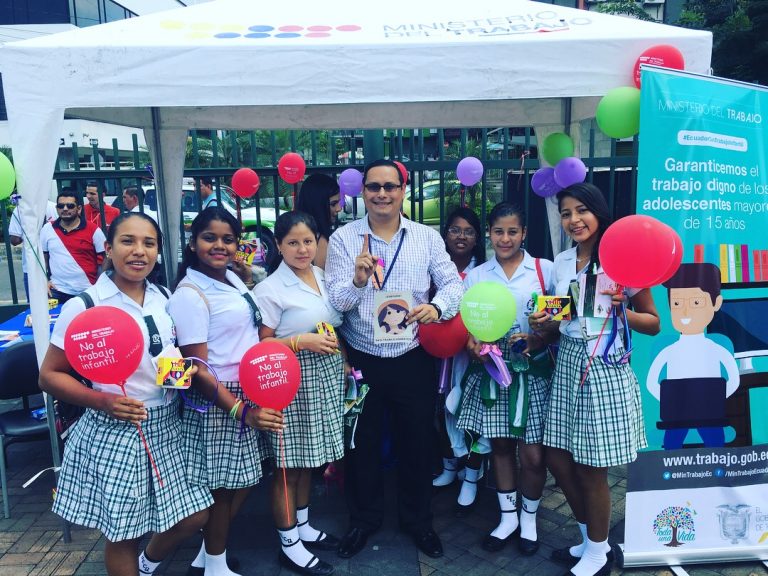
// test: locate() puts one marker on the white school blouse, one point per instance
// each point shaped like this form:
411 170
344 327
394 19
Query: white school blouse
227 327
141 384
291 307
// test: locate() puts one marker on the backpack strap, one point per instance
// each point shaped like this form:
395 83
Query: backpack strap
196 289
541 277
87 300
163 290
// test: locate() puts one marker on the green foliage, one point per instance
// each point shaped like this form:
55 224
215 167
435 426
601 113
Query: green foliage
626 8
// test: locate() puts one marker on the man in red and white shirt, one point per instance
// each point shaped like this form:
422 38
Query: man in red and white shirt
92 211
73 248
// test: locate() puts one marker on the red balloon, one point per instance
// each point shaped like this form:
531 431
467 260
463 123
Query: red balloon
104 344
676 261
270 375
245 182
403 171
291 168
635 251
443 339
662 55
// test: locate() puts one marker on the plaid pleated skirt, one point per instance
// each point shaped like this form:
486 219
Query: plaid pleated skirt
219 457
314 428
107 481
601 422
494 421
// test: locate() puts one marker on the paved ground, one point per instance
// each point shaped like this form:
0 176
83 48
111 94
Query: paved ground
31 544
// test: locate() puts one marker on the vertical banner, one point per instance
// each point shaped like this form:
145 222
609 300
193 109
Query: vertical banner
700 492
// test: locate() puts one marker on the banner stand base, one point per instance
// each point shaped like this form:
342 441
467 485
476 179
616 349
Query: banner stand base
676 558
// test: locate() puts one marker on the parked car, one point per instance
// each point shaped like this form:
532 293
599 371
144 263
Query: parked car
428 210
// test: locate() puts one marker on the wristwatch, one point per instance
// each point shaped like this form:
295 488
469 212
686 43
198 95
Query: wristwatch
436 307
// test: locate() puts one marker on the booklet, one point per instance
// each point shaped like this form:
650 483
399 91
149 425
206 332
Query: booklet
390 310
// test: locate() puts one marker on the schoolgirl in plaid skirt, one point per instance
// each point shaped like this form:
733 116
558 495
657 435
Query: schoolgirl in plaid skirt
294 304
107 480
594 418
217 320
511 417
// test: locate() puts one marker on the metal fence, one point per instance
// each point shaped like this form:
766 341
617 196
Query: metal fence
509 156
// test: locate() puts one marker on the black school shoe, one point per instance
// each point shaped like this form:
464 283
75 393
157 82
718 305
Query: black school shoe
319 569
493 544
324 541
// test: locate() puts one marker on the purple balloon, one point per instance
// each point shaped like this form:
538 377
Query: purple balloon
469 171
351 182
570 171
543 182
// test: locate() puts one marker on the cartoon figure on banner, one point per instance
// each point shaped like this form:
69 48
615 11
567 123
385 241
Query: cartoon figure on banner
693 393
390 311
391 315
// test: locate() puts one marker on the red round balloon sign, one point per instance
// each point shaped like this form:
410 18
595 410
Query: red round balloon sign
443 339
291 168
270 375
104 344
662 55
245 182
636 251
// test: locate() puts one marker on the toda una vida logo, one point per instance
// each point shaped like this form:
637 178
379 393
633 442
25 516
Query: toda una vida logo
674 526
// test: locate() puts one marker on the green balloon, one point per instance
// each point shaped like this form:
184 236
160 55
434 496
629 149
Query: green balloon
7 177
488 310
618 113
555 147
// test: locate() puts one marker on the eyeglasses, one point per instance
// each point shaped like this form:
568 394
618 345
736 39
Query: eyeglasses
466 232
693 302
67 205
375 187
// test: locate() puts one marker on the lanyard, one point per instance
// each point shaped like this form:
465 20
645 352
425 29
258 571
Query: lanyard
394 259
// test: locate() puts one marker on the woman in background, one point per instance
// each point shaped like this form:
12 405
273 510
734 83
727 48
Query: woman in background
319 197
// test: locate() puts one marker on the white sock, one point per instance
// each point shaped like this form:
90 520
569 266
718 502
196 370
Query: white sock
528 519
199 561
216 565
448 474
592 560
509 521
306 532
147 566
578 550
293 547
469 486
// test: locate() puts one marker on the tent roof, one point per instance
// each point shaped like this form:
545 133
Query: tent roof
457 63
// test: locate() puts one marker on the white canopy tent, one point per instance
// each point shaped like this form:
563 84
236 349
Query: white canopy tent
242 64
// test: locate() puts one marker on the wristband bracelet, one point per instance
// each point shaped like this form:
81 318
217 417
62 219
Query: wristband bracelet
242 419
297 343
233 411
437 308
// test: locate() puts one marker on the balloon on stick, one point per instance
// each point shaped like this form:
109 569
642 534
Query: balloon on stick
637 251
488 310
663 55
7 177
618 112
443 339
291 168
469 171
543 182
104 344
569 171
270 375
245 183
555 147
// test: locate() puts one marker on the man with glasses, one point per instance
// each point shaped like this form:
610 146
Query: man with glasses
73 248
370 259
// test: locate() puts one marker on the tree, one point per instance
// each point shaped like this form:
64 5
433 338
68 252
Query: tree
626 8
676 518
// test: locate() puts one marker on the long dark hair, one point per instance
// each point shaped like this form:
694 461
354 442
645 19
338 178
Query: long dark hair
314 194
117 222
592 197
478 252
200 223
283 226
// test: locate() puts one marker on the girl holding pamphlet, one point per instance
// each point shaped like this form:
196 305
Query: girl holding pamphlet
107 481
594 419
490 409
297 312
217 320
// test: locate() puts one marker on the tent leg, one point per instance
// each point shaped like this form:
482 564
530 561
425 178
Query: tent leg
169 258
56 453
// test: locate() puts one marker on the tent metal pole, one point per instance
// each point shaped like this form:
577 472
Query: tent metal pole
56 453
162 202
